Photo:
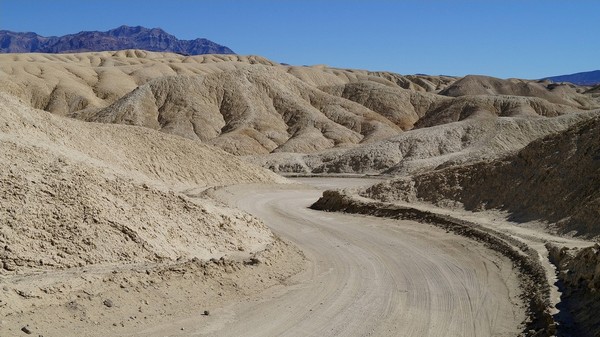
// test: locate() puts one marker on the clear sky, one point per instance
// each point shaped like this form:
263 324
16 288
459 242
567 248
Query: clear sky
526 38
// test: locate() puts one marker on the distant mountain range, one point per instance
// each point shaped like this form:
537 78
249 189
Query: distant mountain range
124 37
584 78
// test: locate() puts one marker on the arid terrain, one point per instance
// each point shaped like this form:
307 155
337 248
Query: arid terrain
141 195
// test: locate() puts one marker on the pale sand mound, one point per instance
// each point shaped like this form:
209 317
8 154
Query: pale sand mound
465 107
76 194
401 106
556 179
259 109
94 239
425 149
565 94
309 119
248 105
67 83
139 153
595 91
413 109
72 84
426 83
254 109
322 76
59 213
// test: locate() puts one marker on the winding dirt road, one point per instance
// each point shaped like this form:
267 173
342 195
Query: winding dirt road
370 277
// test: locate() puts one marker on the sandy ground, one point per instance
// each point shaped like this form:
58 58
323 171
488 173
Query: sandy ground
356 276
133 299
367 276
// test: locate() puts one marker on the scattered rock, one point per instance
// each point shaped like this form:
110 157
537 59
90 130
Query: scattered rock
253 261
26 330
9 265
206 313
108 303
25 294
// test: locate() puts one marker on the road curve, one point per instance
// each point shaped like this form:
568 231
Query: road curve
373 277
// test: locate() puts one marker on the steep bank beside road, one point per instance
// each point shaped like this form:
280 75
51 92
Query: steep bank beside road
578 272
554 179
536 293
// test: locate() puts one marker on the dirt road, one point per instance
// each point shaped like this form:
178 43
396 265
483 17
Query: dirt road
368 277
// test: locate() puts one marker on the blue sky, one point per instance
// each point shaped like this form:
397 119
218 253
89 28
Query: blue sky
526 39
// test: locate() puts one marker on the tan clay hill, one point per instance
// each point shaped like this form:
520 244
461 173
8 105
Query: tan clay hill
555 179
250 105
254 109
420 150
595 91
260 109
68 83
559 93
80 194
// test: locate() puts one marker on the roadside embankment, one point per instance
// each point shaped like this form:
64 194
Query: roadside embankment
536 291
578 272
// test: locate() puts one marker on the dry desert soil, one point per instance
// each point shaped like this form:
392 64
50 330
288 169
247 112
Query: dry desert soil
155 194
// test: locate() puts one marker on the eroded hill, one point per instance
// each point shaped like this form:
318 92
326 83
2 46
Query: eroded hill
554 179
79 194
302 119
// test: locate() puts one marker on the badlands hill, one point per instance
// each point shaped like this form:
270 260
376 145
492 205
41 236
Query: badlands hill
123 37
595 91
302 119
253 109
66 84
421 150
259 109
565 94
80 194
555 179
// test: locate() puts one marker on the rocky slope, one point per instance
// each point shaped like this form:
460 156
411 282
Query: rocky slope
79 194
421 150
259 109
564 94
578 273
72 84
253 109
123 37
555 179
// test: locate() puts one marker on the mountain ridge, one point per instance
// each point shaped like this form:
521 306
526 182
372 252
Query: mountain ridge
123 37
583 78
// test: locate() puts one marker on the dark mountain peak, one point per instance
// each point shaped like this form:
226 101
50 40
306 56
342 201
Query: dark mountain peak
122 37
584 78
125 30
